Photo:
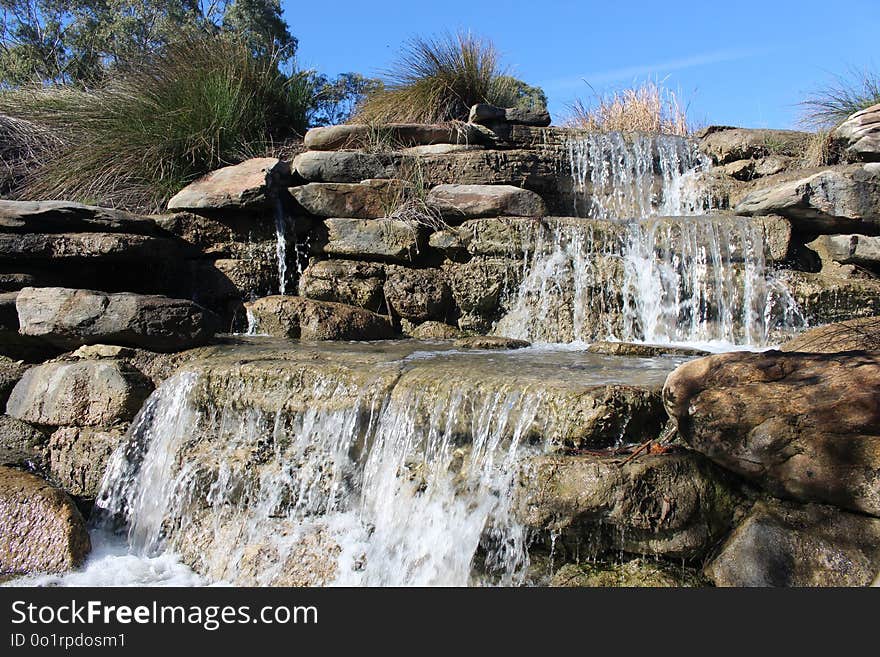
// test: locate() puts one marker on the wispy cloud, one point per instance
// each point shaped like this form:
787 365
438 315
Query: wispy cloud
656 68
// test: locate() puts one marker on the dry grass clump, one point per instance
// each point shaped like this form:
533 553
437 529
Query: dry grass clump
22 145
439 79
649 107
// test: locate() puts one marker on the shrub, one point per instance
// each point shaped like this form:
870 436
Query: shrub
439 79
845 95
202 103
649 107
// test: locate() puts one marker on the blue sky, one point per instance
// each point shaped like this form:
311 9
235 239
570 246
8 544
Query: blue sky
737 62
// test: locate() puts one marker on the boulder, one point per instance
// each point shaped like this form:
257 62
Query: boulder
345 166
490 342
726 145
43 532
392 136
248 184
641 350
370 199
306 319
418 295
831 201
803 426
859 250
119 248
70 217
676 504
432 331
12 343
11 372
78 457
336 137
69 318
752 169
380 239
478 287
486 114
830 296
859 135
345 281
851 335
21 444
642 572
470 201
83 393
781 544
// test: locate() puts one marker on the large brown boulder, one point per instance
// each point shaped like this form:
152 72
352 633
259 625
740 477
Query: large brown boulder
85 393
21 444
307 319
418 295
859 135
370 199
804 426
470 201
43 532
781 544
726 145
344 281
243 185
70 318
374 239
78 457
391 136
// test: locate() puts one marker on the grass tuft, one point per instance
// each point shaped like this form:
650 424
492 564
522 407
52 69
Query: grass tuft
847 94
648 107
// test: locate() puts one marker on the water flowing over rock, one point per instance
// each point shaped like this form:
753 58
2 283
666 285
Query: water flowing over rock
383 466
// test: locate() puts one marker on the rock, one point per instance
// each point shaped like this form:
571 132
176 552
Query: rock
383 239
782 544
345 281
752 169
10 373
471 201
803 426
729 145
108 247
12 343
69 318
392 136
825 297
78 457
490 342
99 351
635 572
675 504
371 199
345 166
82 393
248 184
306 319
641 350
418 295
21 444
851 335
70 217
434 331
440 149
859 135
830 201
478 287
488 114
848 249
43 532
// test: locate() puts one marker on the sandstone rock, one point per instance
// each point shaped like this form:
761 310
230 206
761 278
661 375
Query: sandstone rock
43 532
335 137
851 335
82 393
70 318
488 114
641 350
675 504
227 235
859 135
633 573
242 185
825 297
10 373
440 149
344 281
433 331
21 444
728 145
99 351
470 201
78 457
384 239
752 169
478 287
848 249
345 166
392 135
12 343
418 295
782 544
306 319
70 217
804 426
108 247
371 199
490 342
832 200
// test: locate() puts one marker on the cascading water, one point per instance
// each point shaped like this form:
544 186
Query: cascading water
622 275
281 245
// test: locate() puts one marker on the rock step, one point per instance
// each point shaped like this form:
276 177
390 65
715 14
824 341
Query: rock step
392 136
246 185
70 217
310 320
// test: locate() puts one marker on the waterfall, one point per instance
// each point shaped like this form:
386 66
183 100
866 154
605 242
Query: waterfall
281 245
398 487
